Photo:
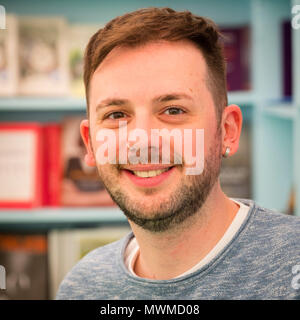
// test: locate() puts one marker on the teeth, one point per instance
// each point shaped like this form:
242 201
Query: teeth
148 174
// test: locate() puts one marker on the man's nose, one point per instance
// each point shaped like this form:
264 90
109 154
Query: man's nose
142 127
144 121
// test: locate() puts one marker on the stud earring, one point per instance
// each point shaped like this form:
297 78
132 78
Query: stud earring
227 151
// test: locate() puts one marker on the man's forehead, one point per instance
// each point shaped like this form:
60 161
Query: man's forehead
152 51
152 69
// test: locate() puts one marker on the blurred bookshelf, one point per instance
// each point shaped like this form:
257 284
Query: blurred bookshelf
241 98
42 104
11 104
79 104
275 127
44 219
270 145
281 111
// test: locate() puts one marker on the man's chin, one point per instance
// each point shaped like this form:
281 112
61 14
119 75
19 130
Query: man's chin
151 221
151 207
168 205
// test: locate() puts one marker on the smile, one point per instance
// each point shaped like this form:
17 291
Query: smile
148 178
149 174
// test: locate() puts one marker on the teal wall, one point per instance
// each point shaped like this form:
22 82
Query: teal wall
101 11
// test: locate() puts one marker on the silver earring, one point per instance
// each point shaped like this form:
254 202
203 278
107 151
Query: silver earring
227 151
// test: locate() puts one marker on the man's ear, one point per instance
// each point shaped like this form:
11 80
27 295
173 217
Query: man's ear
84 131
232 120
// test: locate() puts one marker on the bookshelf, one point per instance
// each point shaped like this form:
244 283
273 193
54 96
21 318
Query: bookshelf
55 218
78 104
41 104
296 123
275 124
275 158
281 111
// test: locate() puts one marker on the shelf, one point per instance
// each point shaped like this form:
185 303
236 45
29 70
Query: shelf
241 98
79 104
283 111
47 218
42 104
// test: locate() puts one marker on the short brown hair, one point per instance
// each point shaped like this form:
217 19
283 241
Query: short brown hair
152 24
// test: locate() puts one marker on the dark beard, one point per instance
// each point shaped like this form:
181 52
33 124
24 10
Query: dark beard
184 203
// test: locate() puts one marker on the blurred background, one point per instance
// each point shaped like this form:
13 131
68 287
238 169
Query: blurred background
54 209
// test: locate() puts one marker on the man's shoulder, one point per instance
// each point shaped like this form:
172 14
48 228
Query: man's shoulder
92 270
272 217
267 251
272 221
272 230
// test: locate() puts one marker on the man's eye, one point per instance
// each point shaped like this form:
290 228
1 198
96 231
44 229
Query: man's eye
116 115
174 111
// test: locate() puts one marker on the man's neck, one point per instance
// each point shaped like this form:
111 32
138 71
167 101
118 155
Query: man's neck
168 254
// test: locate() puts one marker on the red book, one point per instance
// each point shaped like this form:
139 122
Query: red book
52 171
20 165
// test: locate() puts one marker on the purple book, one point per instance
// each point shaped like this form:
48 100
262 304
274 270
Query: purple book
287 58
236 51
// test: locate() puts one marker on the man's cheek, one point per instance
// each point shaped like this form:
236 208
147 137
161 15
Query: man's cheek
106 145
108 174
194 149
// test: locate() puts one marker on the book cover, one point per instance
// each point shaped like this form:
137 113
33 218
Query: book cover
287 58
81 184
20 165
24 257
52 164
43 67
236 52
67 247
79 36
8 57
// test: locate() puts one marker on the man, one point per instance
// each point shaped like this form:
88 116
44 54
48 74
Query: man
161 69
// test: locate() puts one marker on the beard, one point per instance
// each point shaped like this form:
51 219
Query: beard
185 202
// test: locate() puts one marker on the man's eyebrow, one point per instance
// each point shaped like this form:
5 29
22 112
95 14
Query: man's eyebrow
172 96
161 98
111 102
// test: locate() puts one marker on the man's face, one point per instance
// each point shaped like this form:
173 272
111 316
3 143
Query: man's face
138 83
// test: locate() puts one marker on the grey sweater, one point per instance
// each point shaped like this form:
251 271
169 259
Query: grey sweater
262 261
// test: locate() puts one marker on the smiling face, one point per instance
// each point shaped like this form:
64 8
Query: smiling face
160 85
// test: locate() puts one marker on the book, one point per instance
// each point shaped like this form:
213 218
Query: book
8 57
78 37
67 247
52 164
236 51
24 257
42 164
287 58
81 184
20 165
43 67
